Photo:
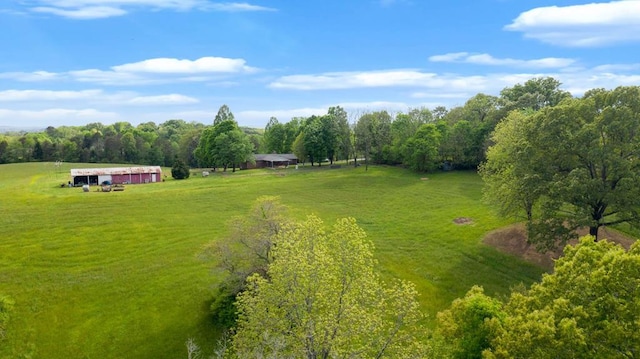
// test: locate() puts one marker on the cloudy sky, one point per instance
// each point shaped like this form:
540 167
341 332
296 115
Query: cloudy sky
72 62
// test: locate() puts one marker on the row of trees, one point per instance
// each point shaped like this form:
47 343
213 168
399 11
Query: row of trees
120 142
421 139
295 289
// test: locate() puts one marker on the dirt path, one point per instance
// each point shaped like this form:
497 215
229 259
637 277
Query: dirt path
513 240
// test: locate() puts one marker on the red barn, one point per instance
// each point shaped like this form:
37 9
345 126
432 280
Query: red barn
116 175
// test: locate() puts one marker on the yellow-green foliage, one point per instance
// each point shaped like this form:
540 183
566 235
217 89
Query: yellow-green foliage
588 308
324 298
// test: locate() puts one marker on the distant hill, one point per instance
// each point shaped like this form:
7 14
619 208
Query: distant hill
252 131
18 129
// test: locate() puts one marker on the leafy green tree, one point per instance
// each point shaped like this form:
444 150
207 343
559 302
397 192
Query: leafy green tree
534 94
465 328
514 171
292 130
247 250
275 137
322 298
588 308
223 145
373 135
224 114
179 170
299 148
314 140
589 149
402 129
343 136
421 150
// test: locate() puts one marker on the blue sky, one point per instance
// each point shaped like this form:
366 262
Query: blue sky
72 62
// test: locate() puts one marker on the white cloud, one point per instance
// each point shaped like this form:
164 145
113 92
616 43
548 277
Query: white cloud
373 79
89 12
450 57
172 99
182 66
486 59
594 24
46 95
347 80
30 76
237 7
458 86
97 9
151 71
95 96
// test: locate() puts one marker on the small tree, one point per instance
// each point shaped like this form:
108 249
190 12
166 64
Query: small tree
179 170
322 298
247 250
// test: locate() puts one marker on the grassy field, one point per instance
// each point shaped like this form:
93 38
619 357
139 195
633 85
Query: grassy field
117 275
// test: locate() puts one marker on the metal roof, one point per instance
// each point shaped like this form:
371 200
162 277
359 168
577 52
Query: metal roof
276 157
115 171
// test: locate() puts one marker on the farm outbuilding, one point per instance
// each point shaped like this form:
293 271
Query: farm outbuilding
271 161
116 175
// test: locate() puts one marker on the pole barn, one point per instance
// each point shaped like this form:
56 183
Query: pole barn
116 175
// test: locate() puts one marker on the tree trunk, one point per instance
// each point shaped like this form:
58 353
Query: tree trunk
593 231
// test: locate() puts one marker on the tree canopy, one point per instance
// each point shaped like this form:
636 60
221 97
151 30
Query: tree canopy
322 298
587 308
569 166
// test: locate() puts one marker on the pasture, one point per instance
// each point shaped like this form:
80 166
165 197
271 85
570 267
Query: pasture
118 275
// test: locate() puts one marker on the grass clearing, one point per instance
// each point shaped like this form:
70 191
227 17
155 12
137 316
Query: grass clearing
117 275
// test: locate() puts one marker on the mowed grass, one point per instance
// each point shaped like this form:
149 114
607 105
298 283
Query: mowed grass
118 275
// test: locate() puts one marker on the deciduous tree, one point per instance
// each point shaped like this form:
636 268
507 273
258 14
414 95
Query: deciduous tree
584 155
588 308
322 298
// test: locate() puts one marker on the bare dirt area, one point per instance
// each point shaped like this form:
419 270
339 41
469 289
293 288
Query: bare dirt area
463 220
513 240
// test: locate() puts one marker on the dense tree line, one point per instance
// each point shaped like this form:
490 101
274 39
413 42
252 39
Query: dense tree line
421 139
120 142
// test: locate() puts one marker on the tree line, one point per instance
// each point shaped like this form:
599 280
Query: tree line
421 139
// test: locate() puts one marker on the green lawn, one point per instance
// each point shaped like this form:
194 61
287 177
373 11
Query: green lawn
117 275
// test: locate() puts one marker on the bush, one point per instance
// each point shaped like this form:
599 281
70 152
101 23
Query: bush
179 170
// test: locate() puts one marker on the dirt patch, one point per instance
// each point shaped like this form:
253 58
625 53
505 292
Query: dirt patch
463 220
513 240
424 179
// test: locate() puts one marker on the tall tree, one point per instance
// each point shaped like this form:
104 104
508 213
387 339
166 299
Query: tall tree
590 151
224 114
322 298
275 137
534 94
314 140
343 138
373 135
421 150
247 250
